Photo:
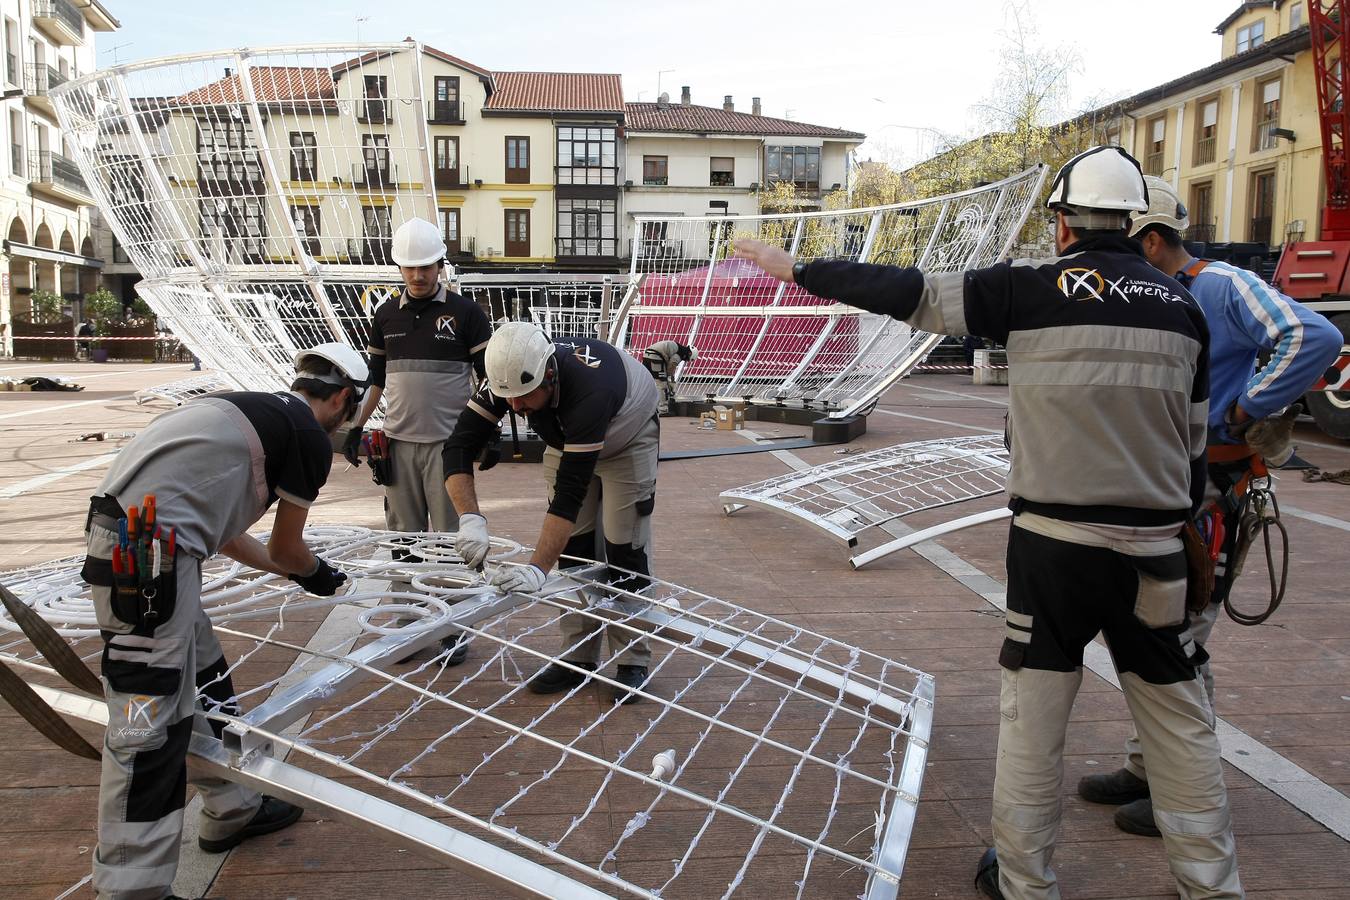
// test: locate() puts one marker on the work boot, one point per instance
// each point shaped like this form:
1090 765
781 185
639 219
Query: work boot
458 645
272 815
986 875
1114 788
1137 818
632 678
555 678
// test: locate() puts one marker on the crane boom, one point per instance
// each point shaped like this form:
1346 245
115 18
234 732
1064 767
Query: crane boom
1327 22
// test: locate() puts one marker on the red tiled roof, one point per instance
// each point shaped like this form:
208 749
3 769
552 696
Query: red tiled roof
456 61
557 92
270 84
715 120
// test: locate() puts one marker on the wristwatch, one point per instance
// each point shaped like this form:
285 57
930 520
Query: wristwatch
798 273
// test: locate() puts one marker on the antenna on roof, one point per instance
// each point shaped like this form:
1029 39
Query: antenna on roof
113 50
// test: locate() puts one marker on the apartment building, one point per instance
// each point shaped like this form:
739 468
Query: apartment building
1239 139
689 160
44 202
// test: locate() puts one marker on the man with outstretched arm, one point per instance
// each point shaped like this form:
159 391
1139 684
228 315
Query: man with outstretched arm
213 466
1108 383
595 408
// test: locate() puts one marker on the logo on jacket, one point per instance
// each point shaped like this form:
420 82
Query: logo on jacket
584 354
445 328
141 709
1082 284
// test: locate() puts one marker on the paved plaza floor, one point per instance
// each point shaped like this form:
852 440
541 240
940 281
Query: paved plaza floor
1283 690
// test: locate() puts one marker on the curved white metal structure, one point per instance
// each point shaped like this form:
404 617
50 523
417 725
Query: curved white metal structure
847 497
256 191
765 760
762 341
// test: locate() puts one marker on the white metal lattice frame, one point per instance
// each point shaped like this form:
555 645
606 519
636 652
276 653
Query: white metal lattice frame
179 392
765 342
847 497
196 173
794 767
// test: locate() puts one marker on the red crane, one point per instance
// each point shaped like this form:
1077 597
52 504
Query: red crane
1317 273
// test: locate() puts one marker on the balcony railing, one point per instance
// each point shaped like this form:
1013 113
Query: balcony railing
449 178
54 169
41 78
374 110
654 248
1261 226
63 12
460 248
1153 164
371 251
588 247
1265 134
445 112
377 176
655 180
230 174
1204 151
1201 234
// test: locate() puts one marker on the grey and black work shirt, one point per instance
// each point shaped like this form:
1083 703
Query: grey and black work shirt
217 463
602 398
422 353
1108 371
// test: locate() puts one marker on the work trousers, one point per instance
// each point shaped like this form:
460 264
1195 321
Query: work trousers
151 679
1066 584
614 525
1202 625
418 493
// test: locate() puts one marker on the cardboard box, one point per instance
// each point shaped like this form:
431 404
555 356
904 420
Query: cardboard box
724 418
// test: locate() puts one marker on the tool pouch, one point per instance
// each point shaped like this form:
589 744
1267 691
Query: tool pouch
381 471
1199 569
138 610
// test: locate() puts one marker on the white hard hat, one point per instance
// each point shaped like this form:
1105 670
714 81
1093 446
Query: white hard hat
1100 178
516 358
1164 208
418 243
693 353
346 360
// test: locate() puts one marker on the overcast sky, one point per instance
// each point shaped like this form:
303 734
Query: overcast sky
867 65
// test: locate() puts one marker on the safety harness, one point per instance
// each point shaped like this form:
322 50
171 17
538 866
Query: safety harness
1246 507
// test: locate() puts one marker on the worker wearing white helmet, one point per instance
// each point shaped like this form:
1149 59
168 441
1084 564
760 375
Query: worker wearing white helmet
213 466
663 360
595 408
426 347
1246 430
1107 428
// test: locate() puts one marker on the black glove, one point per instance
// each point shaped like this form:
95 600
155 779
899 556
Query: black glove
323 581
351 446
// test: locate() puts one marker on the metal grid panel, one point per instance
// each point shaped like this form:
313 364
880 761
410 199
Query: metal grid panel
179 392
846 497
794 767
763 341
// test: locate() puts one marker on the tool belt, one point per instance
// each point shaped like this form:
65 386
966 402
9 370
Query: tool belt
140 575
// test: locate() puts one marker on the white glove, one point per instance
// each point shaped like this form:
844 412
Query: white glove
1270 437
472 542
519 579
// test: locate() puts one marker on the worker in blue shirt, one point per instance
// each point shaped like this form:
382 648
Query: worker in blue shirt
1246 317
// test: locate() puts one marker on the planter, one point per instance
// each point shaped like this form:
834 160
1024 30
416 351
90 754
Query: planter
131 350
99 354
58 338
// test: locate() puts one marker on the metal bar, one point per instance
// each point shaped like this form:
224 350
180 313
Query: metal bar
768 320
910 360
893 846
928 534
274 177
707 288
619 326
424 134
